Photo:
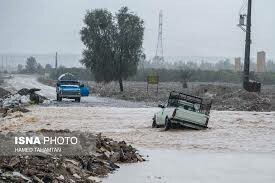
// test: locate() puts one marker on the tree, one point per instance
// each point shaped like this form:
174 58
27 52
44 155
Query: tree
113 44
19 68
98 37
48 67
39 69
185 76
129 44
31 65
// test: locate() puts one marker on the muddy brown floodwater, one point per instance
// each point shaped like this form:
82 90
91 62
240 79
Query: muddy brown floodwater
228 131
238 146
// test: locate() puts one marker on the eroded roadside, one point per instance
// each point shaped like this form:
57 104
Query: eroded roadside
225 96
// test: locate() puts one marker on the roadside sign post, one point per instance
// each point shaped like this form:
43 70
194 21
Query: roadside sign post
153 80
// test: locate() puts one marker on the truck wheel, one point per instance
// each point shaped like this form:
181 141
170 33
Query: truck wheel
58 98
77 99
167 125
154 124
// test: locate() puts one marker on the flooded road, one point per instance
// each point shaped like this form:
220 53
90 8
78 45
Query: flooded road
228 131
172 166
237 147
29 81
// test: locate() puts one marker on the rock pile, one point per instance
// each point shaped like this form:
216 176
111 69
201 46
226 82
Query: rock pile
10 103
118 152
212 91
3 93
34 97
242 100
69 169
233 99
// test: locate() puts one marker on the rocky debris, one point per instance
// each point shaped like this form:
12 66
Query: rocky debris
10 103
212 91
34 97
7 111
136 91
3 93
118 152
233 99
23 91
242 100
13 103
49 168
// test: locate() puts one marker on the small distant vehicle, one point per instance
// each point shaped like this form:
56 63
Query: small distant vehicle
183 110
69 87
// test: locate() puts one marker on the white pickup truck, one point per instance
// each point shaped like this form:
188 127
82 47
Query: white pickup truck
183 110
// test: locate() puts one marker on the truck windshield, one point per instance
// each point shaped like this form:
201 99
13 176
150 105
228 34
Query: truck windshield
69 86
183 104
186 105
68 82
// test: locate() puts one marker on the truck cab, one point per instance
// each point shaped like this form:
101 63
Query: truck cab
68 87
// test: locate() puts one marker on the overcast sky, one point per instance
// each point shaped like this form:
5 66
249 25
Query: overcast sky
191 27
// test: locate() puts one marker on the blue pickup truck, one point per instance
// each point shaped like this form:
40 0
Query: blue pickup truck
69 87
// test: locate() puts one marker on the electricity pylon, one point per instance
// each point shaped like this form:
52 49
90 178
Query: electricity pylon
159 51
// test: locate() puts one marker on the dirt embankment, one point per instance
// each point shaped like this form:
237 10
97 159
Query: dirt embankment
4 93
231 98
11 103
52 168
224 98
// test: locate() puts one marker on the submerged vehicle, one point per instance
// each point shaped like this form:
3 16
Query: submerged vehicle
69 87
183 110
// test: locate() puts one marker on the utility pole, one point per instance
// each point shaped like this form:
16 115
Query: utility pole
56 65
250 86
7 63
56 60
2 70
247 45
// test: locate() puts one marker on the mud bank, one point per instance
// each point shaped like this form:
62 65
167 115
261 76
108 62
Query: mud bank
224 96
